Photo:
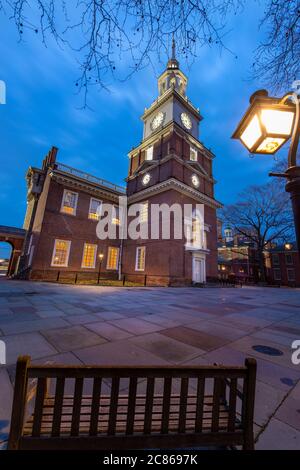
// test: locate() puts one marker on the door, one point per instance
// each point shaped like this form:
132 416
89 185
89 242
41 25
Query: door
199 270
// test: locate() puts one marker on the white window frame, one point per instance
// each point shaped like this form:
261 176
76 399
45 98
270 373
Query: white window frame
288 276
276 278
149 149
144 211
95 256
93 199
138 249
194 152
63 200
286 258
107 261
54 251
275 256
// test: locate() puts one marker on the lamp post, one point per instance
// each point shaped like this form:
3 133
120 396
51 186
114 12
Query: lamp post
265 127
100 256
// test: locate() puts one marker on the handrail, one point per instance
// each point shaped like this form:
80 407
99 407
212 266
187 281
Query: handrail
89 177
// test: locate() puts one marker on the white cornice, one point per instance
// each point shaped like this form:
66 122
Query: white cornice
164 132
171 93
194 166
182 188
85 186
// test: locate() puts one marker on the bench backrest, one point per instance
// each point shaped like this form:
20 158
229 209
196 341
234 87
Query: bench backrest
108 403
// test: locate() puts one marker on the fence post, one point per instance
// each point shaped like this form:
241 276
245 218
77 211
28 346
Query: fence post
145 280
75 282
124 277
58 274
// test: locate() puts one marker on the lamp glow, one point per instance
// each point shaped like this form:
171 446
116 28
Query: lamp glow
266 125
252 133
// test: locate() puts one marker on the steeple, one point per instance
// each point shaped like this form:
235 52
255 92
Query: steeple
173 62
172 77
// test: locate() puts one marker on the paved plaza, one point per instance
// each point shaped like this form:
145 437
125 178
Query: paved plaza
156 326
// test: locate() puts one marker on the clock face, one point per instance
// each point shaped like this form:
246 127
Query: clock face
186 120
157 120
146 179
195 181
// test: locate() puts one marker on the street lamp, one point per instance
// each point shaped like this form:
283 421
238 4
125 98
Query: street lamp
288 246
100 256
265 127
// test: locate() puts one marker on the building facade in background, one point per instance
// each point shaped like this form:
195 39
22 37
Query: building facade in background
283 265
238 260
170 166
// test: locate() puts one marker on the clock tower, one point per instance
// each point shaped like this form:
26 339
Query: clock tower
169 166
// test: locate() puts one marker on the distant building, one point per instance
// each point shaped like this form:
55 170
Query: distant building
283 265
237 259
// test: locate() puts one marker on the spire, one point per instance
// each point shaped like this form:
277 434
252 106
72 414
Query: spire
173 48
173 62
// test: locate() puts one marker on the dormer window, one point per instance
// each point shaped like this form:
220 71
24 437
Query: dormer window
149 153
193 154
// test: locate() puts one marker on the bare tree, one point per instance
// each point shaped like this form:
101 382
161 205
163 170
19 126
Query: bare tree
112 39
277 59
115 38
263 215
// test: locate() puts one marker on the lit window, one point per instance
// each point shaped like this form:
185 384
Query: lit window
112 258
89 256
140 258
196 231
288 259
144 212
290 274
69 202
277 274
193 154
61 252
94 211
115 216
275 259
149 153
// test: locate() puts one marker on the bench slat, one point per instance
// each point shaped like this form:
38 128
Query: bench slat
216 405
95 406
232 405
77 406
149 405
113 405
199 404
58 406
38 407
131 405
166 405
183 404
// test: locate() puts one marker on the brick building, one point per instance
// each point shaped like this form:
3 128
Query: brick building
283 265
169 166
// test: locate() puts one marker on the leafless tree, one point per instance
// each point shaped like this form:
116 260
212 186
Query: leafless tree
112 39
263 215
277 59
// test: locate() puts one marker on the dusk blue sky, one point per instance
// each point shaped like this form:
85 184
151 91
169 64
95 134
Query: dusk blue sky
43 109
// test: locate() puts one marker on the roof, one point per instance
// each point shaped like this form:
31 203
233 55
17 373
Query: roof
90 178
4 229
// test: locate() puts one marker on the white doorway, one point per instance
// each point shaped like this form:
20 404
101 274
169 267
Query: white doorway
199 269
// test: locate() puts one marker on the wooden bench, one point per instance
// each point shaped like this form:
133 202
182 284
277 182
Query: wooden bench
84 407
